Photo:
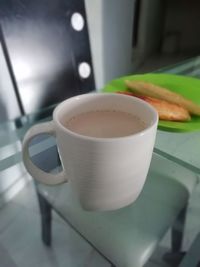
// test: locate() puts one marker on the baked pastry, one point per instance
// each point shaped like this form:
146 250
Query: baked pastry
149 89
166 111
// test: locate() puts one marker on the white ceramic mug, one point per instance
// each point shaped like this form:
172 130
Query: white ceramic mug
106 173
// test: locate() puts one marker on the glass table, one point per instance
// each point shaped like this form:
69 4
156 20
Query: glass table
129 236
183 148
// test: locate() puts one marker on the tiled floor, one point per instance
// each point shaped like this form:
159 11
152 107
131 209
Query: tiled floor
20 238
21 246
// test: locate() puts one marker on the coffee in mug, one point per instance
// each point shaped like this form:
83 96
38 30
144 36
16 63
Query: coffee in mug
105 142
104 124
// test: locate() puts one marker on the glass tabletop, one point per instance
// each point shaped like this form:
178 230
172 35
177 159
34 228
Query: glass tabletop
182 148
174 172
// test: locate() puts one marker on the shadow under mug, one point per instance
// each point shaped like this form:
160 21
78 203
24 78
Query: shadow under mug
105 173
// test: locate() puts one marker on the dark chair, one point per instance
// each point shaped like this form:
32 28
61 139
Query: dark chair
192 257
46 50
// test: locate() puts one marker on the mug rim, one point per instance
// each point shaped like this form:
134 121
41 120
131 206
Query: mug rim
110 139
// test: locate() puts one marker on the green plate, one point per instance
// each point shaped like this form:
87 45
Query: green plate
185 86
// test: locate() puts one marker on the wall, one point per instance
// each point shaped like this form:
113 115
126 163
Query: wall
182 19
117 46
110 27
150 30
8 104
95 26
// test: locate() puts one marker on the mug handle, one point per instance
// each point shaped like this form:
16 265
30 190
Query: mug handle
38 174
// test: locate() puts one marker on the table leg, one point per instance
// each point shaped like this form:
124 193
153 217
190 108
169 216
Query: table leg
46 219
175 256
178 231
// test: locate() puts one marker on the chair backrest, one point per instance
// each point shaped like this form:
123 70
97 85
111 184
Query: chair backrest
47 51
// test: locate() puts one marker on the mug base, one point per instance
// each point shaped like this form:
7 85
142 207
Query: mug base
109 206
